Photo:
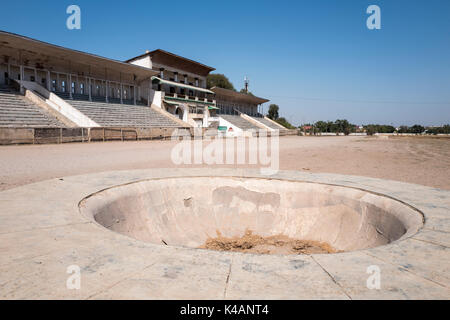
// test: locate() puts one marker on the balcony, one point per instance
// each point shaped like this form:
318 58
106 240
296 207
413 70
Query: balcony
187 99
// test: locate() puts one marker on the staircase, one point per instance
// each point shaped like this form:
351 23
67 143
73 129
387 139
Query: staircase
239 122
17 111
118 115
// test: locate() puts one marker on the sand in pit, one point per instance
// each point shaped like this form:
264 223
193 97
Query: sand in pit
278 244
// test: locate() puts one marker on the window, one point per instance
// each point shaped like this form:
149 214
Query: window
53 85
73 87
172 89
81 88
63 86
43 81
32 79
191 93
182 91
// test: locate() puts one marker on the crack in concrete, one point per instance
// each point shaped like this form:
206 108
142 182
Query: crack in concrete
121 280
228 279
331 277
430 242
407 270
46 228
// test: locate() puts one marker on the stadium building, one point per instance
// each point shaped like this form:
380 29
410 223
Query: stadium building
44 85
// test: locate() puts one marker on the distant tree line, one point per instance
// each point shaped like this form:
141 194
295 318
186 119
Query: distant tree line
416 129
338 126
378 128
343 126
439 130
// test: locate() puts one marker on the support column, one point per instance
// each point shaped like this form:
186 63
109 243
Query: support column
70 86
9 74
149 90
121 93
90 90
57 82
107 91
49 81
21 79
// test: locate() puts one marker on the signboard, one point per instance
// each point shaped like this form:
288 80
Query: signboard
222 128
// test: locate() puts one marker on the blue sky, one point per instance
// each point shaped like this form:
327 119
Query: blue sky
315 59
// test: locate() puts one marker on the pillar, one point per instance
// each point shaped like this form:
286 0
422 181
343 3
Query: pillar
49 81
70 86
90 90
9 74
121 93
106 91
21 79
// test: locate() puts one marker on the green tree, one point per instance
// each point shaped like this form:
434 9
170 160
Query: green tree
417 129
273 112
343 126
284 123
219 80
321 126
249 93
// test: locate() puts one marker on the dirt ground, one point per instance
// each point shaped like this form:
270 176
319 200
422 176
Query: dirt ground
278 244
418 160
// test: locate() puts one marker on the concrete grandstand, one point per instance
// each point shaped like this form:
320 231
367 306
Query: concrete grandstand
48 86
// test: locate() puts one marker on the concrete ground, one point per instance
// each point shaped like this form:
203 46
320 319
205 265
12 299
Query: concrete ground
43 235
47 245
424 161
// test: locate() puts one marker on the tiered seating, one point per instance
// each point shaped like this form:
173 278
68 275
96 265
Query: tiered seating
16 111
239 122
119 115
268 123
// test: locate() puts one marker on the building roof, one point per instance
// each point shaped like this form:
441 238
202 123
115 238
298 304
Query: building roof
47 52
170 59
227 94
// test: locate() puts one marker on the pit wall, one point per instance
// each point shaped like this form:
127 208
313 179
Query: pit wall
188 211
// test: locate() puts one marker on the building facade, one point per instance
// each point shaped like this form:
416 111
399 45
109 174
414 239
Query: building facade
180 86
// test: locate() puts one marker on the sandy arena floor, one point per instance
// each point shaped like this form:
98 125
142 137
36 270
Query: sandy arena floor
424 161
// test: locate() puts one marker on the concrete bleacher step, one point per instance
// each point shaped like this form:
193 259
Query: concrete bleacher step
240 122
15 111
269 123
120 115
